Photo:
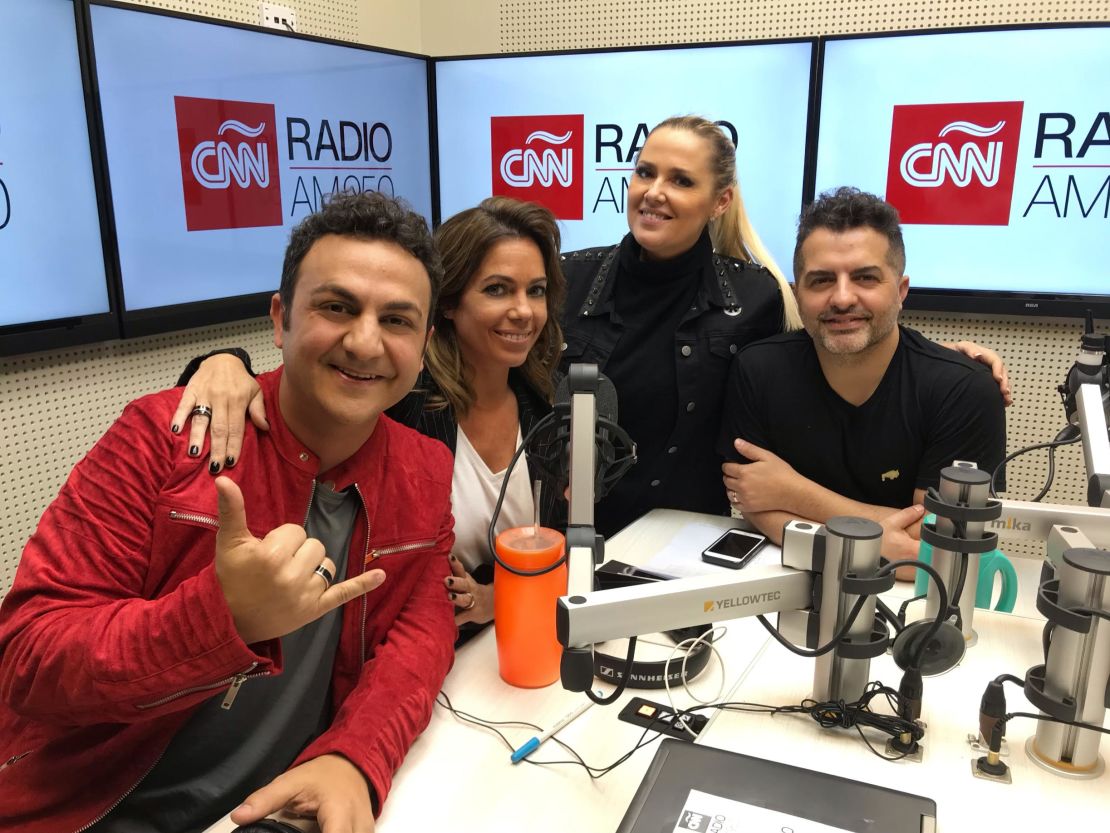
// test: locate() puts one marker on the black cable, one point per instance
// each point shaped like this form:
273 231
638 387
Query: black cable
902 608
1050 719
895 620
619 690
833 714
885 570
824 649
1068 435
1089 611
838 714
961 576
497 511
942 598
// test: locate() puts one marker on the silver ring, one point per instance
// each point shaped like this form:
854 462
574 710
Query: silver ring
202 410
324 573
473 599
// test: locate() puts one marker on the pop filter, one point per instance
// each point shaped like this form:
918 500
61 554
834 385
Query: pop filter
549 446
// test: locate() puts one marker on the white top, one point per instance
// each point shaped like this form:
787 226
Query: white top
474 491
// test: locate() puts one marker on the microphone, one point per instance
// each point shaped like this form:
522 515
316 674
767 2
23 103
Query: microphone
549 446
992 708
1092 367
992 728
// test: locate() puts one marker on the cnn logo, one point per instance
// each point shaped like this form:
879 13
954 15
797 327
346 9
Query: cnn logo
229 163
953 164
539 159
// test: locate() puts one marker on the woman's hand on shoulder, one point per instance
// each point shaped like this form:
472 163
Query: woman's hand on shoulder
217 400
473 601
984 355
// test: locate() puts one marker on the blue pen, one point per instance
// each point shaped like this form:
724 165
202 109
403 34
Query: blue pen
533 744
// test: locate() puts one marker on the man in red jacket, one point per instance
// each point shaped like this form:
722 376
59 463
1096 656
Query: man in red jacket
175 648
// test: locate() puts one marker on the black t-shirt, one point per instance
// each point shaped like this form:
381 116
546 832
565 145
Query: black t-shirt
933 406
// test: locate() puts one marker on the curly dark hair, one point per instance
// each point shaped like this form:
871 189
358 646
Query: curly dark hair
850 208
366 216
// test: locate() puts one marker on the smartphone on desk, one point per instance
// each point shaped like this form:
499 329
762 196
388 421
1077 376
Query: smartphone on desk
734 549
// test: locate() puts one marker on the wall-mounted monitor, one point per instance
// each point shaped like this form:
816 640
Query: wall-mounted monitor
564 129
221 138
994 144
52 275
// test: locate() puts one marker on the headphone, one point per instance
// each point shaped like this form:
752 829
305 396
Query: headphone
650 673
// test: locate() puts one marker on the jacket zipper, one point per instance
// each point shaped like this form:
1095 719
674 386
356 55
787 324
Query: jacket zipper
416 545
14 758
365 558
130 790
194 517
374 554
235 681
308 509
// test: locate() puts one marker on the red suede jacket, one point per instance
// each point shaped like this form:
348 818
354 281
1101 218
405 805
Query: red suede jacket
116 627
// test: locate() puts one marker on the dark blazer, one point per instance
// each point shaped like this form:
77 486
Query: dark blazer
736 303
441 424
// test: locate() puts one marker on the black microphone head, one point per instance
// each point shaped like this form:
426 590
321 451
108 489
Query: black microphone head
942 652
549 448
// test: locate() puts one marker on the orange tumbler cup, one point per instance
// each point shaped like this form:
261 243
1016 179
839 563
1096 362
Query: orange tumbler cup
528 653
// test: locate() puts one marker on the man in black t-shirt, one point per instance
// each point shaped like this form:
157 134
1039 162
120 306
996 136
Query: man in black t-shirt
855 415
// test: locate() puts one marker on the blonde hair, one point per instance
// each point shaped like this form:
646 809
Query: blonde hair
732 233
463 242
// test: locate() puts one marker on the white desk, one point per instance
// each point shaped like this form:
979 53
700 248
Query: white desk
458 777
1036 800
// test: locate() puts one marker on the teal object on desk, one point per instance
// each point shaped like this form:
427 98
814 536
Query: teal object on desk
989 564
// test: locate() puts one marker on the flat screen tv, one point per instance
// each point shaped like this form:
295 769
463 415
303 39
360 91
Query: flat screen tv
52 255
220 138
994 144
564 129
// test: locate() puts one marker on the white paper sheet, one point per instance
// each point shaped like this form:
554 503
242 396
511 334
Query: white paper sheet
681 556
708 813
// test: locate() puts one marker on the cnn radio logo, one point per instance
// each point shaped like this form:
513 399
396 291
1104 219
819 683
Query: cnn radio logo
539 159
229 163
953 164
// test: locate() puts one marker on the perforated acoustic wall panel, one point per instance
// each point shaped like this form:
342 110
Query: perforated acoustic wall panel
1038 353
54 406
528 25
325 18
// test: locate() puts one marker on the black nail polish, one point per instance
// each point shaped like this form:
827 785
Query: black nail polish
213 467
230 461
175 428
453 596
194 450
450 582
